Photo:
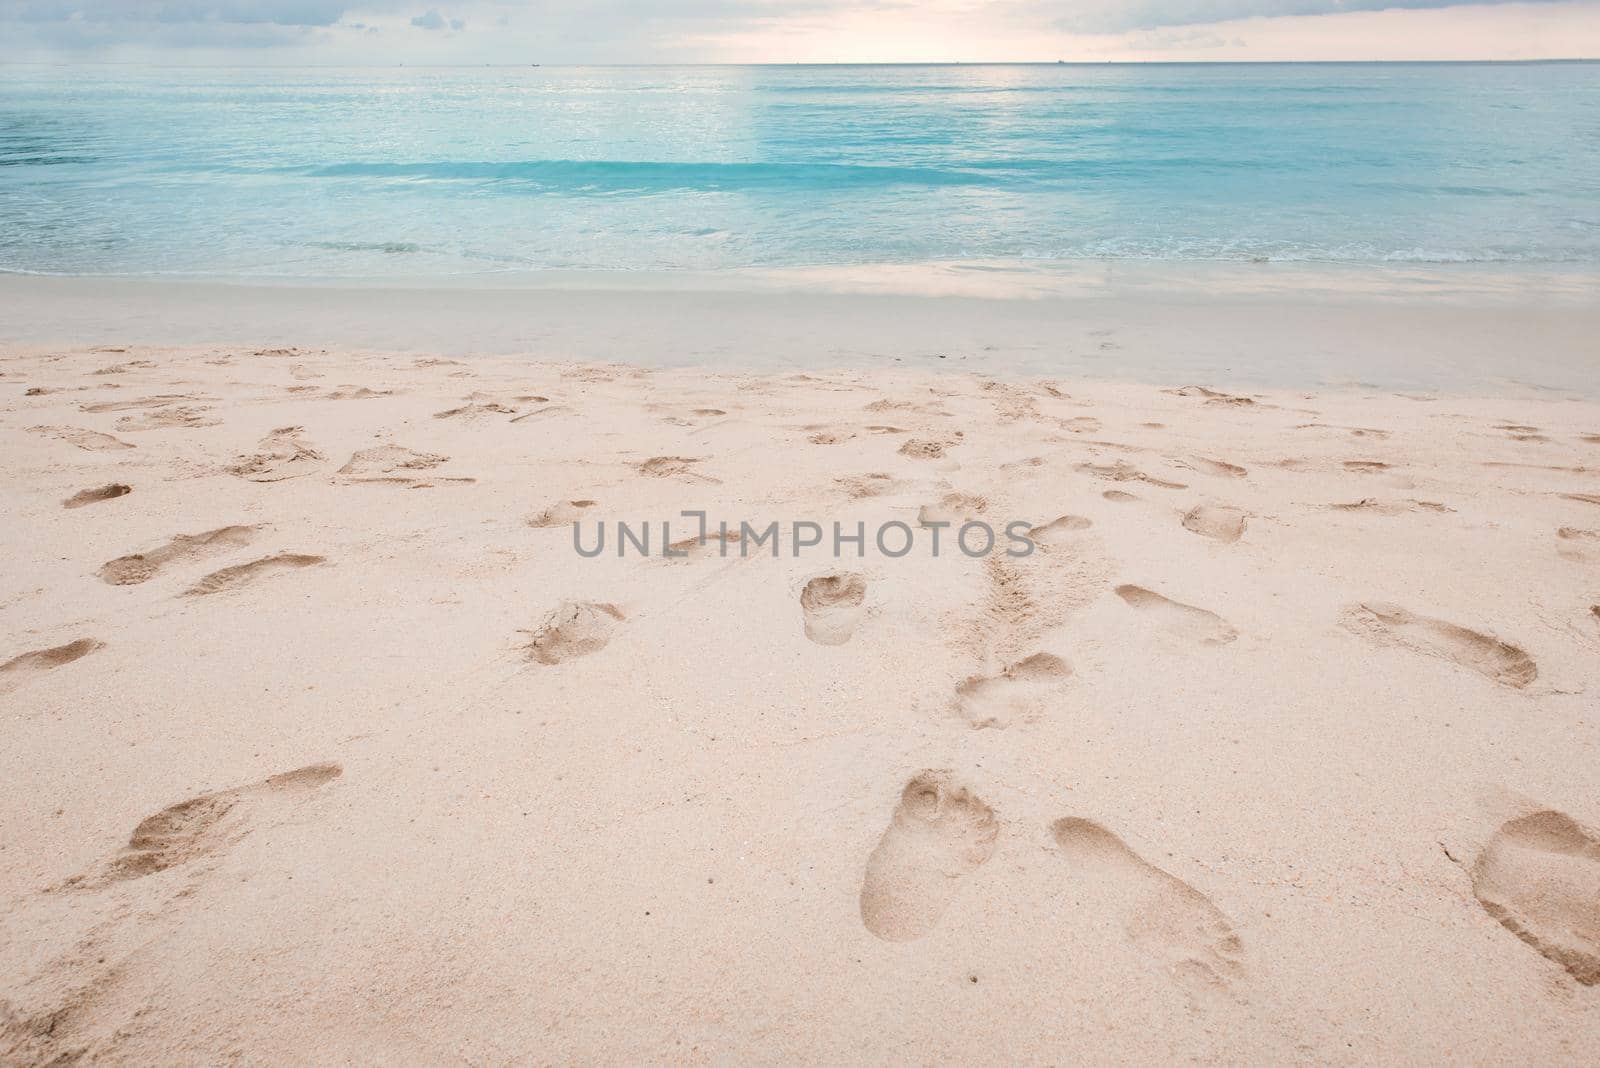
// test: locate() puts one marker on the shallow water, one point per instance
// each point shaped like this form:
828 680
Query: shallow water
302 173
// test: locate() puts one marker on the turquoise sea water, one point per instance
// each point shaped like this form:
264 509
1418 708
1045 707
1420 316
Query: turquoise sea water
418 172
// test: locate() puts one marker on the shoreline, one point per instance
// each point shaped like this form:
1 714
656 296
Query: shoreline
1462 331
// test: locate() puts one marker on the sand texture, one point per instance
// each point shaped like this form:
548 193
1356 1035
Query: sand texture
323 744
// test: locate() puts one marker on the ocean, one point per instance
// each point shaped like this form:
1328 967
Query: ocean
431 172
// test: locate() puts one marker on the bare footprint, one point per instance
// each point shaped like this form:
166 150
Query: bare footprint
475 410
832 606
1219 468
1124 472
953 509
573 629
1218 522
1059 529
939 833
1213 397
358 393
872 484
96 495
1540 877
1177 926
1388 624
160 400
92 440
280 455
1353 431
560 514
923 449
39 661
715 543
1381 507
201 826
1016 694
231 578
142 567
191 417
1577 543
386 459
1177 619
673 467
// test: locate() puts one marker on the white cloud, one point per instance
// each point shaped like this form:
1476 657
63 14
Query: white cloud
580 31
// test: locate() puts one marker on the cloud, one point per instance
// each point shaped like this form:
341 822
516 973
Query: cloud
178 12
1118 16
692 30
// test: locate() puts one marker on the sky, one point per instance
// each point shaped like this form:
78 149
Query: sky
361 32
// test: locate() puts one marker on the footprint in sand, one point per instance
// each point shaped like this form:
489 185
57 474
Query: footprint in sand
41 660
939 833
1119 496
232 578
1353 431
673 467
1176 925
560 514
1016 694
1177 619
475 410
280 455
1218 522
1540 877
188 418
953 509
1387 624
356 393
387 459
832 607
1124 472
161 400
1219 468
872 484
573 629
1213 397
1578 544
1382 507
92 440
922 449
202 826
96 495
142 567
1059 530
715 543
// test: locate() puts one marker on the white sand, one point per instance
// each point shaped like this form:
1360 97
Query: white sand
322 745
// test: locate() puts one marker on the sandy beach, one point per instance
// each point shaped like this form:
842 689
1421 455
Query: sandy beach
323 744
